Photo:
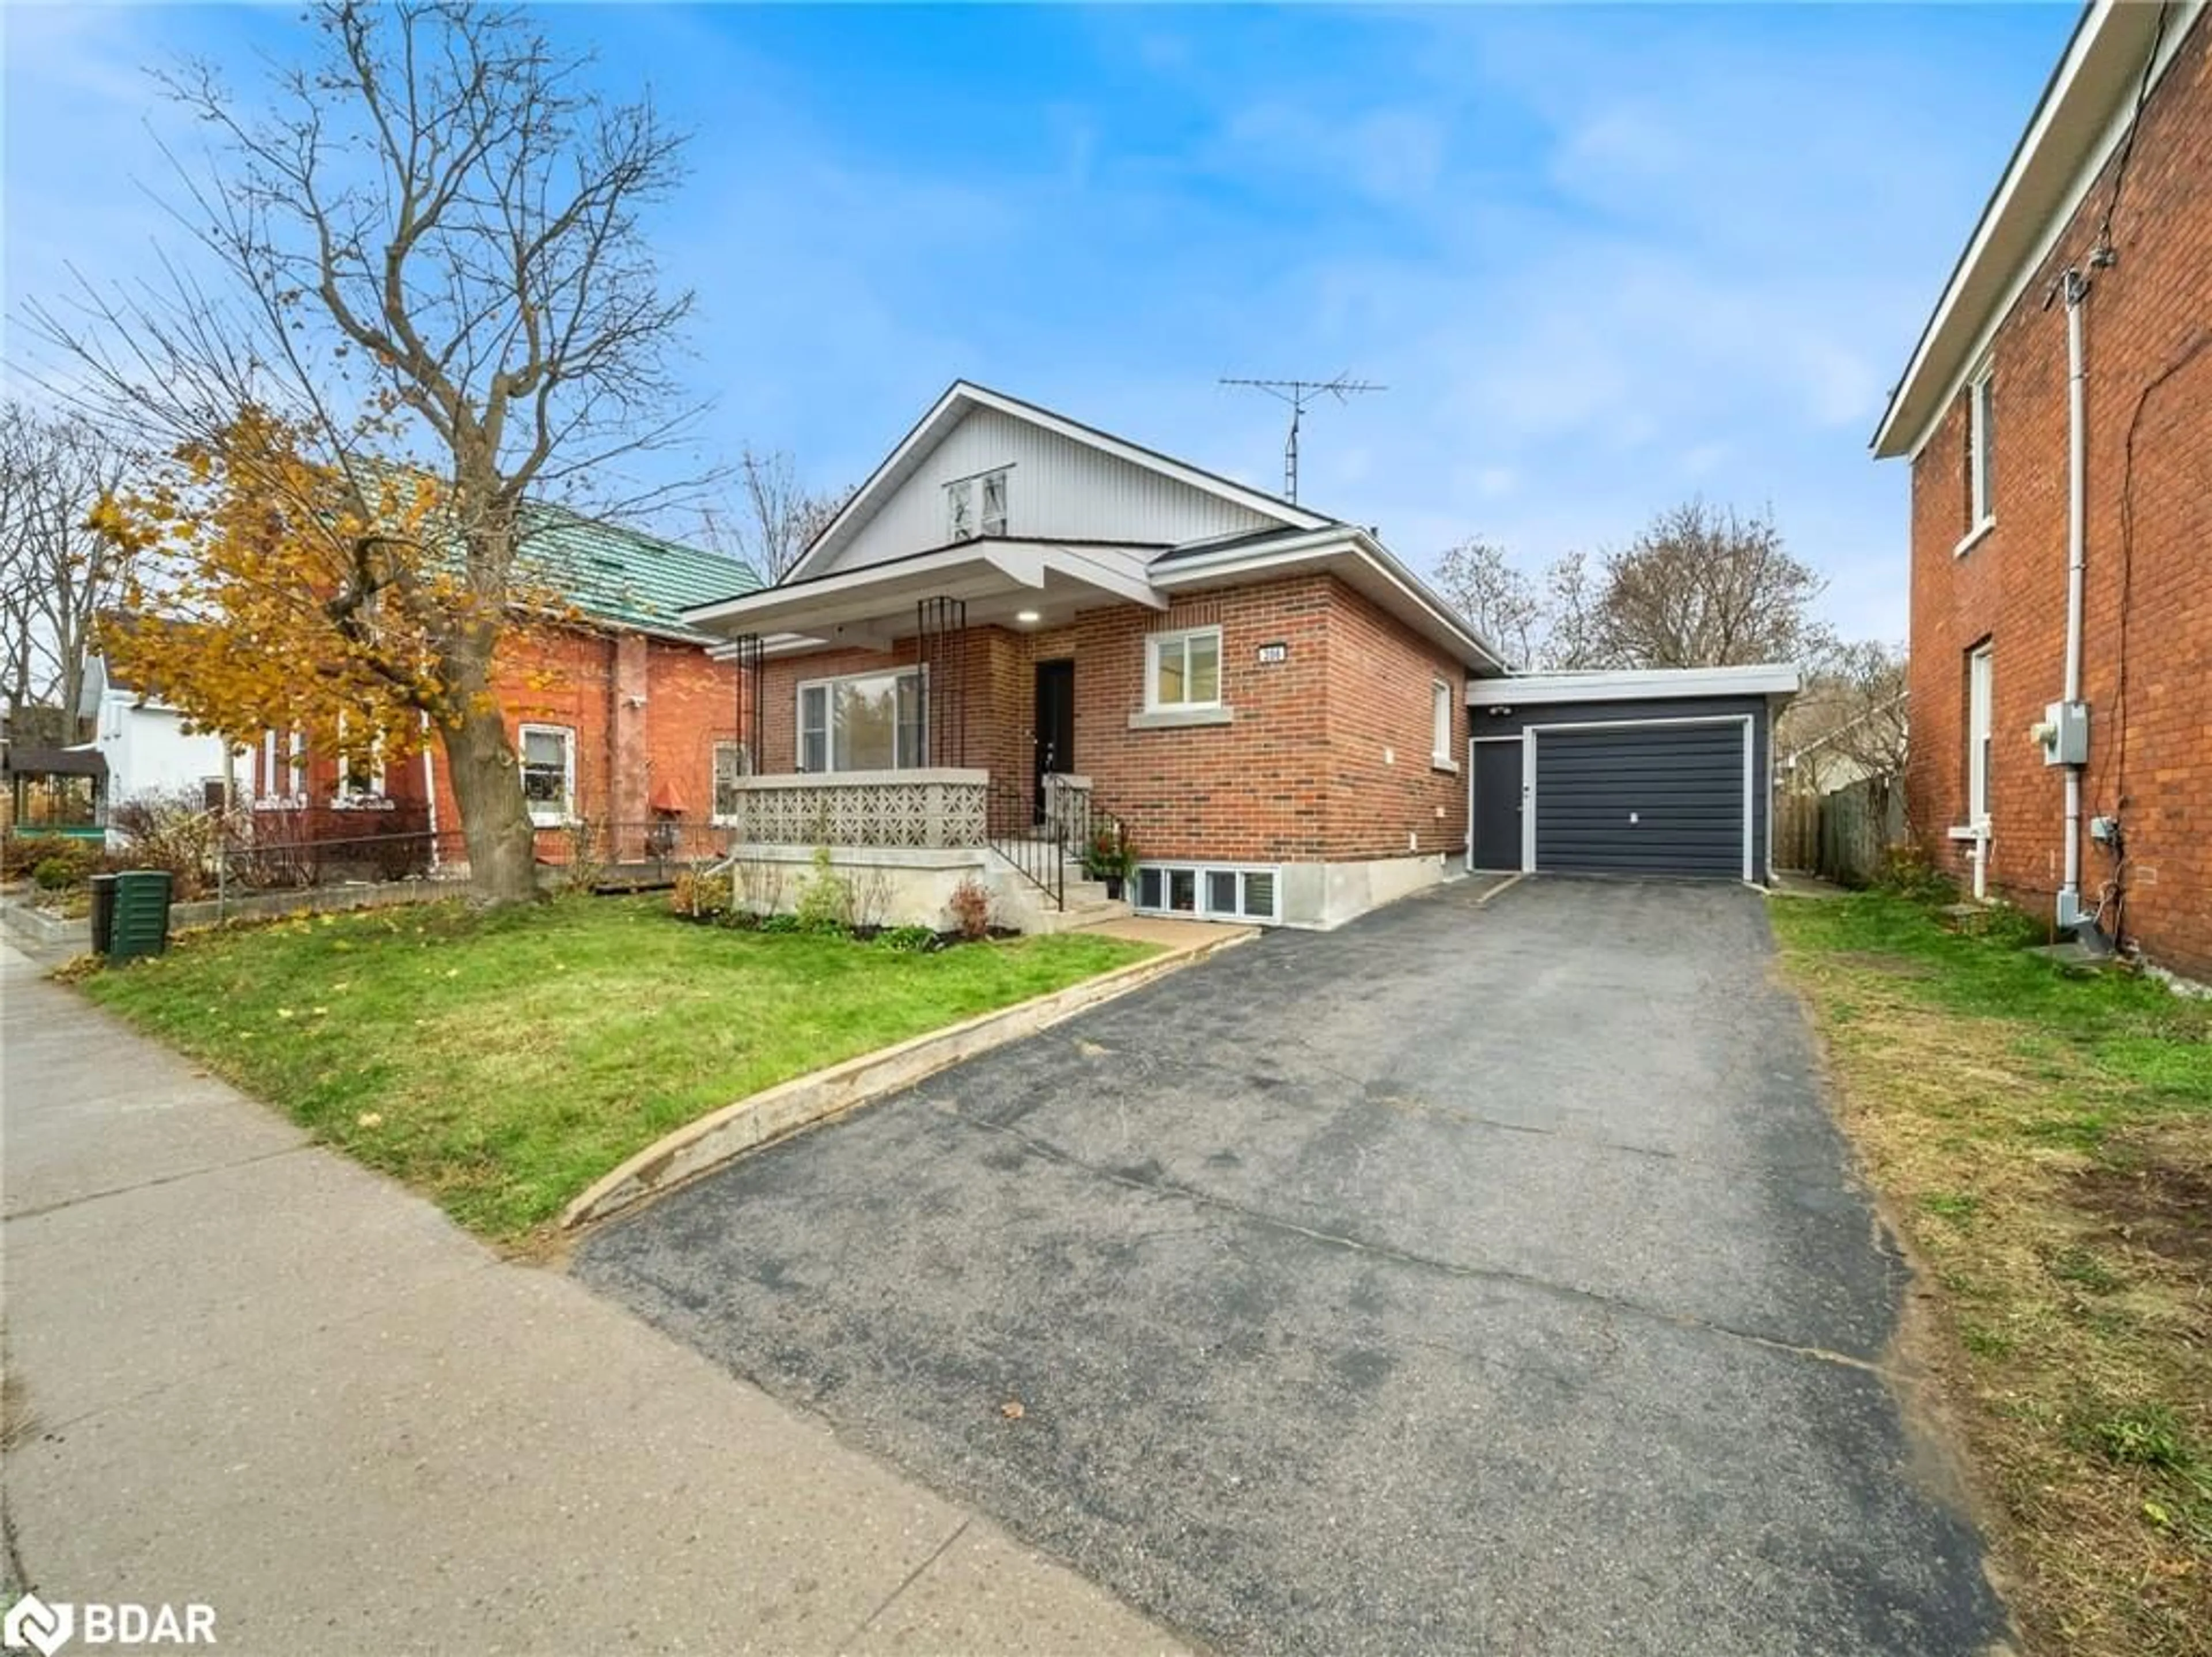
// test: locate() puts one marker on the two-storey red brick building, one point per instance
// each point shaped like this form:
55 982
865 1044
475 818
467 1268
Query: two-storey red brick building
2057 411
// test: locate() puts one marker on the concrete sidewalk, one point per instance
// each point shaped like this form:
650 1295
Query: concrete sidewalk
243 1372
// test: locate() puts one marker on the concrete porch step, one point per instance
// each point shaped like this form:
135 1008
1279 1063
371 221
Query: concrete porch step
1081 911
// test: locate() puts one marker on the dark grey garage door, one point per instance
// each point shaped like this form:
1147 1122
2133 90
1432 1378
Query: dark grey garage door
1650 800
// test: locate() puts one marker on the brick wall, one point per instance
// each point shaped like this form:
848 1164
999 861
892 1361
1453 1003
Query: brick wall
644 712
2148 611
1327 757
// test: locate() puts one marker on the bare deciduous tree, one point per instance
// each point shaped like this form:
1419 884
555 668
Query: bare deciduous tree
1703 587
1495 596
56 575
1706 586
426 257
1850 721
777 518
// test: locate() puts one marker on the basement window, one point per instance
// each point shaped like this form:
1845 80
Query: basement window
1208 892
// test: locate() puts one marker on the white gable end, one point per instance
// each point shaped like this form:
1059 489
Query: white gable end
1058 488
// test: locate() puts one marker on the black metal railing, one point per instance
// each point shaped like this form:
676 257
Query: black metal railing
1014 828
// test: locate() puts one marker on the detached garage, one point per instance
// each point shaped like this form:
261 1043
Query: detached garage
1661 772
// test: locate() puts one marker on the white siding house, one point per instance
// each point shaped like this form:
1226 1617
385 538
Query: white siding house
144 741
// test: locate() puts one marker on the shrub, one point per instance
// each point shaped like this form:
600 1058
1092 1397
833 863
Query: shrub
825 899
172 832
779 924
21 853
702 892
907 939
970 904
57 874
1909 872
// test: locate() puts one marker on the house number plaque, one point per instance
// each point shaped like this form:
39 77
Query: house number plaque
1271 654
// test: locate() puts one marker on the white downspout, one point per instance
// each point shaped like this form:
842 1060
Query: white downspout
430 796
2077 290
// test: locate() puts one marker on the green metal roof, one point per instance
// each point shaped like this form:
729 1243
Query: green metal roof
625 577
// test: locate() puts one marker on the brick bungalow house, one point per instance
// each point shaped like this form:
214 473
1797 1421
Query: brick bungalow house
1020 626
2061 678
620 717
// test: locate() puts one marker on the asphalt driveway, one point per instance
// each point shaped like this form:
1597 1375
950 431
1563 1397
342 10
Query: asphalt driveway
1470 1279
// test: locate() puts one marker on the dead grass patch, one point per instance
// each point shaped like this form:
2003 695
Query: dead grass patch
2047 1147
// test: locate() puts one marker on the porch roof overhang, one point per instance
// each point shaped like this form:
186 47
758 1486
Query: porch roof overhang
999 579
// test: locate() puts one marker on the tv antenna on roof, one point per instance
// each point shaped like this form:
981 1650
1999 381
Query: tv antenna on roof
1301 394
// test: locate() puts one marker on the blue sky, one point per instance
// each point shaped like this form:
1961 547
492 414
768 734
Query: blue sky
1603 257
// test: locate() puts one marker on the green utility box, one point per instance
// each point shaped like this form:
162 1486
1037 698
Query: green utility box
103 912
142 914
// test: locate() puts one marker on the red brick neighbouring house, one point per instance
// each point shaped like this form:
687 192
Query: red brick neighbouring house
2101 226
620 717
1021 627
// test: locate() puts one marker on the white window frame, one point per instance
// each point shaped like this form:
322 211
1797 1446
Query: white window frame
1156 644
548 814
269 797
1441 700
1981 732
729 746
960 509
342 793
1201 874
1981 457
990 520
828 685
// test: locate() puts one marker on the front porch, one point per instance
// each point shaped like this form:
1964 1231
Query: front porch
905 840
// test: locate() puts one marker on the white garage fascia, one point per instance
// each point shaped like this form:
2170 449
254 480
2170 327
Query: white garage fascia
1633 685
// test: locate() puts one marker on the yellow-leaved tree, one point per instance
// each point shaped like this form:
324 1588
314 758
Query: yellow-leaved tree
419 298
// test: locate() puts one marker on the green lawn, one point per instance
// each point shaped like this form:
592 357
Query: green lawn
2045 1139
501 1062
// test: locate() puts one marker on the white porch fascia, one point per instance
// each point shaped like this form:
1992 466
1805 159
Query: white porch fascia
997 579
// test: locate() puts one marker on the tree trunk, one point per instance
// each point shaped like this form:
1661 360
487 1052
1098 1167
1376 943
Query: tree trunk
488 788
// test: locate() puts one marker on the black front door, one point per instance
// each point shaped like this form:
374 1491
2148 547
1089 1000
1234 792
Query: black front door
1053 734
1498 804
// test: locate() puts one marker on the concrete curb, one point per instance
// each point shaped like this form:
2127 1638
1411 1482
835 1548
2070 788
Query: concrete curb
701 1146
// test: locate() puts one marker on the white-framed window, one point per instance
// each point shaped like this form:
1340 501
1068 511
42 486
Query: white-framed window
731 763
1440 722
1184 670
1981 713
548 772
361 768
280 768
862 722
976 506
1981 452
1208 891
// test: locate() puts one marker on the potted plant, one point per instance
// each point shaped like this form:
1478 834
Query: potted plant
1110 857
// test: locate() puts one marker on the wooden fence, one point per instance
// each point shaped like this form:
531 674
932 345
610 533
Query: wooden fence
1843 836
